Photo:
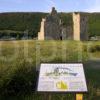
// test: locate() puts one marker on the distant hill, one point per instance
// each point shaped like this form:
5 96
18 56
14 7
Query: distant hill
16 24
94 24
21 22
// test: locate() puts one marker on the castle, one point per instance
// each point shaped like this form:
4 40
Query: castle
53 29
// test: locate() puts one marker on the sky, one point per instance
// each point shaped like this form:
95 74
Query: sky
46 5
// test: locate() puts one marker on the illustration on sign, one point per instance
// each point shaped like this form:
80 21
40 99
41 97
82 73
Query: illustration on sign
61 71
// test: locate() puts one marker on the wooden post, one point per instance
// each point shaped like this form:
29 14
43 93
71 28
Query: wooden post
49 98
79 96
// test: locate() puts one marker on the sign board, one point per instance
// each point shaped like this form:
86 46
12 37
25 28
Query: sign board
61 78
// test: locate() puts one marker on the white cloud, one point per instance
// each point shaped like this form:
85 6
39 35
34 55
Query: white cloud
50 3
95 7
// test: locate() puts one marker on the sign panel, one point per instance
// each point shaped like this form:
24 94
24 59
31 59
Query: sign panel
61 78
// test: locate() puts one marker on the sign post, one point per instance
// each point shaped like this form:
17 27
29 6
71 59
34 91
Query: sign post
62 78
79 96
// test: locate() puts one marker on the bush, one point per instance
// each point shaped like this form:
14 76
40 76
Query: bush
23 81
95 48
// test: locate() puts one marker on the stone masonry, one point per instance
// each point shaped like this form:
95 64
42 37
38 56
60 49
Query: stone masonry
52 28
80 26
41 34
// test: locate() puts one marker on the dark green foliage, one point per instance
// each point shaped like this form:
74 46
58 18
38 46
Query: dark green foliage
94 24
95 48
22 81
26 21
66 18
20 22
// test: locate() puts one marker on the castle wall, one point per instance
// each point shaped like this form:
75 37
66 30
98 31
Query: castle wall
67 33
84 27
50 27
80 27
53 29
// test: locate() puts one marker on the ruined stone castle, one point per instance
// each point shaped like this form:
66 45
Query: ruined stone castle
53 29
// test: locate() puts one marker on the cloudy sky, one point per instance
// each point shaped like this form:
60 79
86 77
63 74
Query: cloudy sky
45 5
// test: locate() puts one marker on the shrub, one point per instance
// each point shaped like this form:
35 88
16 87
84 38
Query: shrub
23 81
95 48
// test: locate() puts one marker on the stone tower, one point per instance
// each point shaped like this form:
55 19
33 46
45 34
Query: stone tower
50 27
41 33
79 27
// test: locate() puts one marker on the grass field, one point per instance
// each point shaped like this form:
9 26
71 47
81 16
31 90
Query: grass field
20 60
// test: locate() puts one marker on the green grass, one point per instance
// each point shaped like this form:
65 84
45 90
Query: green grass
19 61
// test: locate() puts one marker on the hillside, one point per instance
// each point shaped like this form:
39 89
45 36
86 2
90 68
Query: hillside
21 22
94 24
16 24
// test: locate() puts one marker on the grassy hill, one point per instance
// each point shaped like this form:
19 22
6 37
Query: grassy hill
15 24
